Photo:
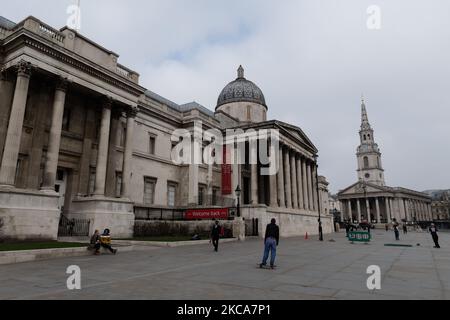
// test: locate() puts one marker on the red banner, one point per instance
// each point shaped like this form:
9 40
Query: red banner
206 214
226 172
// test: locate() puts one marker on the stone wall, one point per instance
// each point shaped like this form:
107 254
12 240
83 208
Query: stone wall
28 215
291 222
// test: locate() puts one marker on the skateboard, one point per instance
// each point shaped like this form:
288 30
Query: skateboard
266 267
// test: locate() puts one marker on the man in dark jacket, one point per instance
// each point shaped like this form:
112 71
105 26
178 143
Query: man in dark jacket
434 233
271 242
215 235
395 224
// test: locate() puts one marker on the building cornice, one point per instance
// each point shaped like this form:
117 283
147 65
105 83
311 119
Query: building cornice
25 38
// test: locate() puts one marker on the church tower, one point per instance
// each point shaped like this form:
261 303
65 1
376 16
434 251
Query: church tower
370 168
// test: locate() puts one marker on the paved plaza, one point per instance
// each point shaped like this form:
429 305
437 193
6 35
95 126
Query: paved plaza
308 269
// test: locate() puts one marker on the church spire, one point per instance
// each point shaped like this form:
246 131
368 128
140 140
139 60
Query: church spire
365 125
241 72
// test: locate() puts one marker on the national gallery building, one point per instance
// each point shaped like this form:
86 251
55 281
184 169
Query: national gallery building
80 138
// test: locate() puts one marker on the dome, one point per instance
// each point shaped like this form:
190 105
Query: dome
241 90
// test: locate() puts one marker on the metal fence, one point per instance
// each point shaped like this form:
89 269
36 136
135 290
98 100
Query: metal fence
73 227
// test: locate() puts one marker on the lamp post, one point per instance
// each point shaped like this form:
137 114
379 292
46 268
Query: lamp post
318 198
238 195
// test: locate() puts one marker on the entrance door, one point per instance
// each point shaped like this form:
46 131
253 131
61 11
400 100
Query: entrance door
60 187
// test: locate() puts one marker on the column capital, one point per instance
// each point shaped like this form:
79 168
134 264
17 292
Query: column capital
132 111
23 68
107 102
62 84
4 74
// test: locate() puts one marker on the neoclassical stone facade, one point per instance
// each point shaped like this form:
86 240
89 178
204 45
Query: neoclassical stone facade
370 199
80 137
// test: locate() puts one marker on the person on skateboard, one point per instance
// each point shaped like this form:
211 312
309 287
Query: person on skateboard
271 242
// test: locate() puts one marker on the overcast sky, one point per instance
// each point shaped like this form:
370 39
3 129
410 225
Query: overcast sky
312 59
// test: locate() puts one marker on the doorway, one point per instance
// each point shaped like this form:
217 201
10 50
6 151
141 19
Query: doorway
61 187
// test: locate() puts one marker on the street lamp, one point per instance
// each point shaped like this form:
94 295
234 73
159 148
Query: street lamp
318 198
238 195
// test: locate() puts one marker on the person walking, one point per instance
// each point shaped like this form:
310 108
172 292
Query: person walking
387 227
215 235
434 233
271 241
347 228
395 224
405 228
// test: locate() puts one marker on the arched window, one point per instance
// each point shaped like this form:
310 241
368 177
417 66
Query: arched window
365 138
366 162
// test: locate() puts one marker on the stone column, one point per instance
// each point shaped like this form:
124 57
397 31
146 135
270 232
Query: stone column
403 209
254 183
359 210
305 185
102 152
369 216
14 133
54 140
280 180
128 153
391 210
350 213
310 191
196 156
6 96
342 210
377 204
254 174
294 181
287 178
388 209
299 184
273 178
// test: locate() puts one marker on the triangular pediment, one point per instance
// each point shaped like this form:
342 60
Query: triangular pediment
358 188
296 133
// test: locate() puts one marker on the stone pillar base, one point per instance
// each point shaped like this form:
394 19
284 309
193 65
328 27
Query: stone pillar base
239 229
28 215
292 222
105 213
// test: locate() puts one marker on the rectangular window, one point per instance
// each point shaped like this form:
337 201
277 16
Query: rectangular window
201 195
152 144
171 194
118 184
18 170
66 119
215 199
123 135
149 191
92 181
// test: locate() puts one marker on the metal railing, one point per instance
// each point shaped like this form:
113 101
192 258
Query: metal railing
73 227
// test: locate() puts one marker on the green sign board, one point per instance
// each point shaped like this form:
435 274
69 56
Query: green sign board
359 236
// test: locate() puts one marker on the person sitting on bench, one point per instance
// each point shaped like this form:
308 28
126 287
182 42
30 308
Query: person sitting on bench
105 241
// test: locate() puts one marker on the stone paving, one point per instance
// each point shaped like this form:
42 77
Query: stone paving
308 269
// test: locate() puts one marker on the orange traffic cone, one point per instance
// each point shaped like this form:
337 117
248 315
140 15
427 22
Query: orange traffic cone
306 236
